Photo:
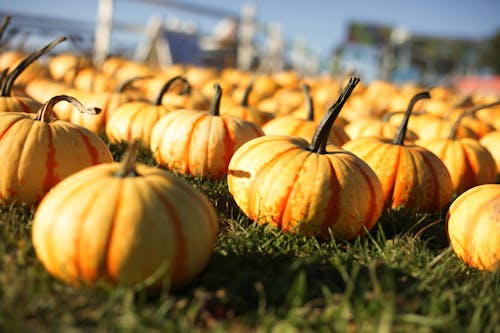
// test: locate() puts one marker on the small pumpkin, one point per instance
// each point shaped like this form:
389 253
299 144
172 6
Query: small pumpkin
200 143
472 225
135 120
468 162
491 141
39 151
412 177
9 103
124 223
314 189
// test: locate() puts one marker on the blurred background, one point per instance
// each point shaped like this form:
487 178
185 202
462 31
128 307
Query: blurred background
423 42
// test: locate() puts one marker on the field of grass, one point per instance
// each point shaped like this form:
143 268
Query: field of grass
402 277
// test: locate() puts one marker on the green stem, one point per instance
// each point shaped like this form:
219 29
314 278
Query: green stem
45 112
400 135
320 137
246 95
214 109
309 102
168 85
8 84
128 161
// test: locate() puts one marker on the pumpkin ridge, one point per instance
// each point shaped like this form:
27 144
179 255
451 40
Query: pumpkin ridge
397 191
369 219
50 178
91 150
286 197
334 203
436 200
389 197
470 174
228 141
178 265
105 263
251 190
187 148
21 118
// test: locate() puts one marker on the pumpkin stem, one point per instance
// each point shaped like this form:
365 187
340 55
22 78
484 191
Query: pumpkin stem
214 109
400 135
3 27
8 84
309 102
456 124
168 85
126 84
320 137
45 112
246 95
128 161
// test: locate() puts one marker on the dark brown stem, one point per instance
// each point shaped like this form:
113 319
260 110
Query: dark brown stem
8 84
246 95
3 27
400 135
309 102
3 74
128 161
482 106
320 137
126 84
168 85
214 109
45 112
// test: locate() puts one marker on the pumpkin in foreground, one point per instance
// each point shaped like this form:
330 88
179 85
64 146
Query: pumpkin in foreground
312 189
125 224
38 151
473 225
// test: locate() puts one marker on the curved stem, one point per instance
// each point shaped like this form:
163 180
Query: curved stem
45 112
309 102
3 27
214 109
128 161
400 135
126 84
320 137
246 95
8 84
3 74
470 112
168 85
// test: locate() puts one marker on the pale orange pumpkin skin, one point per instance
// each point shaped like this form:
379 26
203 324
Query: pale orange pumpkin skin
473 226
200 143
39 154
311 189
491 141
97 226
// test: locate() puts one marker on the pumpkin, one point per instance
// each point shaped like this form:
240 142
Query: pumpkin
124 223
473 229
313 189
468 162
371 126
491 141
304 128
135 120
39 151
9 103
200 143
412 177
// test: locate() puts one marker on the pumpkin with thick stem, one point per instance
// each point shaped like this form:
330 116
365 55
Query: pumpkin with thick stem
468 162
125 223
135 120
40 151
9 103
412 177
472 225
200 143
314 189
304 128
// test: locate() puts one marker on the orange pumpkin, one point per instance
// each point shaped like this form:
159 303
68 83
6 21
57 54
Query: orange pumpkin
40 151
314 189
412 177
468 162
473 226
125 224
491 141
200 143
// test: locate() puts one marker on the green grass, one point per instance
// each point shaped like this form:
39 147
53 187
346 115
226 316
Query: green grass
401 277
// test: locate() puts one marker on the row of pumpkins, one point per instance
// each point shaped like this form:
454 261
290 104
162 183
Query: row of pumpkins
290 160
